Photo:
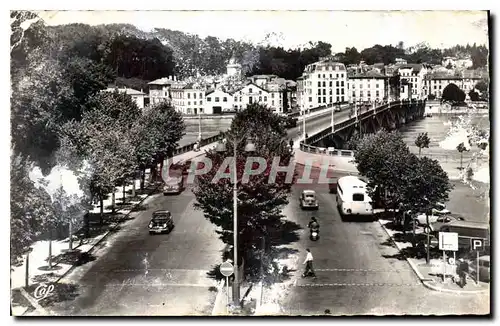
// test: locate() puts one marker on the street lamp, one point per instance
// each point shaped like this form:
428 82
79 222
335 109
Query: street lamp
249 147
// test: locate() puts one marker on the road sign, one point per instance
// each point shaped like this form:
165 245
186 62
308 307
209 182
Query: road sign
448 241
476 243
226 269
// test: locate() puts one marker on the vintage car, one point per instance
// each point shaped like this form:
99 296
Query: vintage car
308 200
173 185
161 221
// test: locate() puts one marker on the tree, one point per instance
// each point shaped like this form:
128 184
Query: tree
461 149
259 202
422 141
383 159
425 184
449 66
30 209
482 86
452 93
473 95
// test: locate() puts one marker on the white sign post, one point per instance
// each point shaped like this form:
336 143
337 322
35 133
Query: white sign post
448 241
476 244
227 269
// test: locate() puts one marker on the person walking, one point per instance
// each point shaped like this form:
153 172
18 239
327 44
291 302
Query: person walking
462 270
309 265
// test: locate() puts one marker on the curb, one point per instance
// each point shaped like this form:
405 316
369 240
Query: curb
218 298
428 285
412 265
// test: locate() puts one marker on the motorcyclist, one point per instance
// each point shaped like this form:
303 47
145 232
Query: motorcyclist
313 224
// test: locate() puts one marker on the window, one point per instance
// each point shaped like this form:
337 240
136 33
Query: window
330 75
272 94
265 98
260 92
369 94
224 99
209 99
319 75
319 99
331 91
272 102
331 99
201 102
189 95
353 94
336 68
201 95
319 84
260 98
358 197
249 90
240 99
337 83
189 103
361 93
324 99
216 99
377 93
194 103
188 111
376 86
342 99
310 99
194 96
342 83
324 91
338 91
342 91
324 84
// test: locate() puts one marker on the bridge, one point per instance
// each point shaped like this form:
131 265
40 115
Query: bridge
368 119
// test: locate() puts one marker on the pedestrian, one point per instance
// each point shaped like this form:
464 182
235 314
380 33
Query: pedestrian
462 270
309 264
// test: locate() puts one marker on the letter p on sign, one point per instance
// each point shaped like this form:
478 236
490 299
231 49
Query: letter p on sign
477 243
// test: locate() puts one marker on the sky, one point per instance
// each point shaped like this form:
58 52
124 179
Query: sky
342 29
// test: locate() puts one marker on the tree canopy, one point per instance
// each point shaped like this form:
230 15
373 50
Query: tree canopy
452 93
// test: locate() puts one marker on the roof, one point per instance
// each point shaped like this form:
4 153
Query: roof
263 76
243 86
351 179
370 74
309 192
162 81
128 91
415 66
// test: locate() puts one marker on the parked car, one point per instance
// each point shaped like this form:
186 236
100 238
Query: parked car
435 218
445 219
308 200
173 185
161 221
484 268
332 186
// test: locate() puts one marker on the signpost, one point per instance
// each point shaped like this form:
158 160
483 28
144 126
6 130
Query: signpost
476 244
227 269
448 241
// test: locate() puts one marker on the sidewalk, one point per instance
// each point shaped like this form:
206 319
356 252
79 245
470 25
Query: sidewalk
63 261
431 275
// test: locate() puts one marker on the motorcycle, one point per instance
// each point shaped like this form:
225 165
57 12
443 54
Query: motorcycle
314 236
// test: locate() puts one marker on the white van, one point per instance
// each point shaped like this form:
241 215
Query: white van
352 197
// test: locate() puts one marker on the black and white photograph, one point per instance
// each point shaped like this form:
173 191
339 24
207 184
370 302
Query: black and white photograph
250 163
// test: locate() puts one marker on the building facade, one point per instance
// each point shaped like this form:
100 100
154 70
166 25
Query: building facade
414 74
137 96
323 83
188 98
368 87
218 101
159 89
435 84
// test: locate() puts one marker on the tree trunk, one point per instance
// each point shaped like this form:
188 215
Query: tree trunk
101 213
419 151
428 257
113 200
133 186
143 178
70 234
50 247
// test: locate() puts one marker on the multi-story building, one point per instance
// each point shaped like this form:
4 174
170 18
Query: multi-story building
436 83
137 96
252 93
323 83
217 101
370 86
414 74
159 89
188 98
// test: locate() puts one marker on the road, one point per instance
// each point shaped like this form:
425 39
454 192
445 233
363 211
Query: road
141 274
357 272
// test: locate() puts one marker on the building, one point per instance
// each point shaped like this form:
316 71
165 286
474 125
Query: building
323 83
401 61
159 89
218 101
137 96
233 69
188 98
370 86
457 63
436 83
253 93
414 74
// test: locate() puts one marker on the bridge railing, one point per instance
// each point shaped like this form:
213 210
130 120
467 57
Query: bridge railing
362 116
328 151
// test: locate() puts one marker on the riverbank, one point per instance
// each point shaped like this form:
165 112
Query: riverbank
470 201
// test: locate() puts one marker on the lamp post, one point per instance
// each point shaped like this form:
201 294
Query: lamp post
304 123
249 147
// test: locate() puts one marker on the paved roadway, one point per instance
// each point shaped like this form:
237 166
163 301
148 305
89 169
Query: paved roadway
355 271
142 274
